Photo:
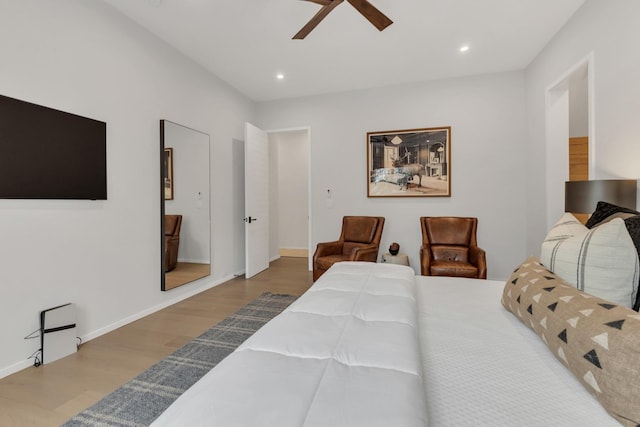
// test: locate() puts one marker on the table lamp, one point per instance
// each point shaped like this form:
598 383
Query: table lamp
581 197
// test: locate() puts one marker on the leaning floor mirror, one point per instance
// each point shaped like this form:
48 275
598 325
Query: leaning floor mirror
184 205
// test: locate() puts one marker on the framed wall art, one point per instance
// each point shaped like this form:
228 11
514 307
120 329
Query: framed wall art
409 163
168 173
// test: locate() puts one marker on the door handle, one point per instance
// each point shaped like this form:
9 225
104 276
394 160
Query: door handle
249 219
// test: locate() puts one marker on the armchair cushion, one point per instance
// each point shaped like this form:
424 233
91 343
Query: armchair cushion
359 229
453 268
450 253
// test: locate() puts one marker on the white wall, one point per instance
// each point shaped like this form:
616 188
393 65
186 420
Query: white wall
104 256
578 105
487 117
609 30
557 154
237 207
274 190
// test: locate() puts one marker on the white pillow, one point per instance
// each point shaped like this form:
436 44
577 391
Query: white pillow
601 261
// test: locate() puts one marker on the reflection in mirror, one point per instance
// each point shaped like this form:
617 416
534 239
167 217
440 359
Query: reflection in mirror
185 219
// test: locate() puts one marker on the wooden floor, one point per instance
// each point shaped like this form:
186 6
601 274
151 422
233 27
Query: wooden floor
296 253
51 394
185 272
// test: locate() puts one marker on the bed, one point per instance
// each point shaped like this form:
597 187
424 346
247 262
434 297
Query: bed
482 365
374 345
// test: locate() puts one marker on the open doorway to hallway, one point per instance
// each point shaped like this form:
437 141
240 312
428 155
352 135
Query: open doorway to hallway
569 134
289 176
289 157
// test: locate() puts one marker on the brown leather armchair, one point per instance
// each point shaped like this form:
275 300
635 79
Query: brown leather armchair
359 241
449 248
172 224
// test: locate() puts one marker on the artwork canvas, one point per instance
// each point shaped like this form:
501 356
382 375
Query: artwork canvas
168 173
409 163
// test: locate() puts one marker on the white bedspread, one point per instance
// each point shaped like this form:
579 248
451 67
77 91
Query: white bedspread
346 353
373 345
483 367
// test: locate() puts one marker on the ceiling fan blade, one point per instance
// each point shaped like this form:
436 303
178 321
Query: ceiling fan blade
321 2
313 22
369 11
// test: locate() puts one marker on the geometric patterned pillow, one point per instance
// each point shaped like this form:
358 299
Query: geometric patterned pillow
601 261
599 342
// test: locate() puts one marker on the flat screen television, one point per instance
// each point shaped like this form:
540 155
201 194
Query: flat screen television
49 154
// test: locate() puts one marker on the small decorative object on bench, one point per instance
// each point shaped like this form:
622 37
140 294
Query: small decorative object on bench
394 248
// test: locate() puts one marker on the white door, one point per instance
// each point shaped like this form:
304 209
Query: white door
256 199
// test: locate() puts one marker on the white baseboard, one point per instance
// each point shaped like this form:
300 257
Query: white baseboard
151 310
194 261
5 372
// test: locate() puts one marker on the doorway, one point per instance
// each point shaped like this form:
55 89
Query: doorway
289 195
290 218
569 118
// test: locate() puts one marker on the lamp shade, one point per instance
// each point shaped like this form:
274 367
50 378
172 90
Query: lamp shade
582 196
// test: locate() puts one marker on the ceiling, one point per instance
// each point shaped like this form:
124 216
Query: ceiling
247 42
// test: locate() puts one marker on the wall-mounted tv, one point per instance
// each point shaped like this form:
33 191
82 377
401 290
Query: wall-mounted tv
50 154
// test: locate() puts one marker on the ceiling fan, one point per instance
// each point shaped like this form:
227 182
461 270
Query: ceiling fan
377 18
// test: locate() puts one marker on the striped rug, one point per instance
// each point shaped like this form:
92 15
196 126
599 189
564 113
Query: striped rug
144 398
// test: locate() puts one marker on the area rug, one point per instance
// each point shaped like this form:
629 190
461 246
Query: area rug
144 398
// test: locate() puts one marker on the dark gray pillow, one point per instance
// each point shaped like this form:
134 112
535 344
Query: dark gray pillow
604 210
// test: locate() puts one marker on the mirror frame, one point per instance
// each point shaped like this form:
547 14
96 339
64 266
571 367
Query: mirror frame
162 202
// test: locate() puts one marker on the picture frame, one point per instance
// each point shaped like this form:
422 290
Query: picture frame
409 163
168 173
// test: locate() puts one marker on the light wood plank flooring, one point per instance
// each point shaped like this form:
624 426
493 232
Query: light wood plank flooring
297 253
51 394
185 272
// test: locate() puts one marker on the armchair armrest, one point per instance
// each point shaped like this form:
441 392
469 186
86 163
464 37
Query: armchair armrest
328 248
425 259
478 258
364 253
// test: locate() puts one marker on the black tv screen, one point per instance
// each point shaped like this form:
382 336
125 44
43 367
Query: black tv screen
50 154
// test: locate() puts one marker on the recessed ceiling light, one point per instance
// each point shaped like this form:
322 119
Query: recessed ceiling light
280 76
464 48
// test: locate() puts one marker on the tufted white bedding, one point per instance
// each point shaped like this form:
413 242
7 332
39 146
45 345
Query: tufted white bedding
346 353
352 351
